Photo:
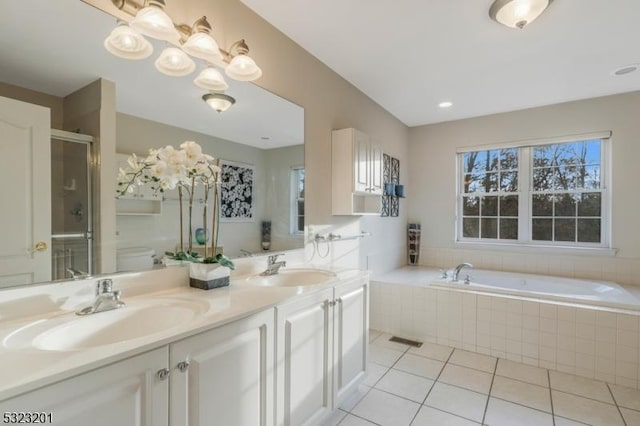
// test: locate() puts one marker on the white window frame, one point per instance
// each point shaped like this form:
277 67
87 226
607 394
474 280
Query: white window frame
525 191
293 201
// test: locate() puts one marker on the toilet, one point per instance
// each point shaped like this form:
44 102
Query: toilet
134 259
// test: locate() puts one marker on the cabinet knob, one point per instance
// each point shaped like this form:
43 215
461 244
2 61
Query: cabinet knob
332 303
183 366
163 374
339 300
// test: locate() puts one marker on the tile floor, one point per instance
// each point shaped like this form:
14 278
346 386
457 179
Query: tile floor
437 385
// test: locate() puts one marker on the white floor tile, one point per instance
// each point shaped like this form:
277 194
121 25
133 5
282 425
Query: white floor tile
405 385
632 417
473 360
580 386
386 409
585 410
419 365
383 340
458 401
428 416
468 378
433 351
526 373
374 372
522 393
335 418
503 413
354 398
626 397
561 421
383 355
355 421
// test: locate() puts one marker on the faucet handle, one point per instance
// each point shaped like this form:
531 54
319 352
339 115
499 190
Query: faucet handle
273 258
104 286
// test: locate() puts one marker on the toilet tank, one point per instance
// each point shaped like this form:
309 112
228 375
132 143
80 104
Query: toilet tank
134 259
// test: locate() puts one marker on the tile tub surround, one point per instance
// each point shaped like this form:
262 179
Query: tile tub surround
492 391
602 344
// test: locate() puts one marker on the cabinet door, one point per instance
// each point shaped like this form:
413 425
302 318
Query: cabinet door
375 164
304 348
127 393
229 379
351 323
361 162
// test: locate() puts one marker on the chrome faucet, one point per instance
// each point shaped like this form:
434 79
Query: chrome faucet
273 266
77 274
457 270
106 299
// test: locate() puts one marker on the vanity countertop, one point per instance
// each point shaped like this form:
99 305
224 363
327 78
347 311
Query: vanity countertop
24 367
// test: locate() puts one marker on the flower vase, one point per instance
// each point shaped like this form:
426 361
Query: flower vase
207 276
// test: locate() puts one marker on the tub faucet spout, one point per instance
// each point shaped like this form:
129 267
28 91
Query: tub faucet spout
458 268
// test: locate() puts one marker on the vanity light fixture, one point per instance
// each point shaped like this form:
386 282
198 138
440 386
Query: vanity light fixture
219 101
174 62
517 13
153 21
200 44
211 79
242 67
127 43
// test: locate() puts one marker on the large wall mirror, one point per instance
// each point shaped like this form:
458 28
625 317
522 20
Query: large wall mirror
54 61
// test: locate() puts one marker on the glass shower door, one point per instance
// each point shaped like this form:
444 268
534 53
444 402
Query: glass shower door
71 213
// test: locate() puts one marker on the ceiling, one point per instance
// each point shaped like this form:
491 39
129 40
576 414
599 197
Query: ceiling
410 55
58 56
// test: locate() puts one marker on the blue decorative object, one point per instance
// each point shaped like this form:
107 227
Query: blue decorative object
390 188
400 191
201 238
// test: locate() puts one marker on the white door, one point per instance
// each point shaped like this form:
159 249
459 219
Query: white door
127 393
224 376
351 323
304 331
25 194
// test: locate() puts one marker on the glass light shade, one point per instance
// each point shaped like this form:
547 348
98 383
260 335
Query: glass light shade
203 46
517 13
125 42
211 79
243 68
219 101
174 62
154 22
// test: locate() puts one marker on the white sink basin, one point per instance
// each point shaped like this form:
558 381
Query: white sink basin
292 278
71 332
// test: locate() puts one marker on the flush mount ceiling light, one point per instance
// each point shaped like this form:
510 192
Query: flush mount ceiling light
174 62
445 104
517 13
154 22
242 67
211 79
219 101
627 69
125 42
200 44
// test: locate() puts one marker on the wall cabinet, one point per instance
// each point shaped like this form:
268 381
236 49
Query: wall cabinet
321 352
142 201
356 171
126 393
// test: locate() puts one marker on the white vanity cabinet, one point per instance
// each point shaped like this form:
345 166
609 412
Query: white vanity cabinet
224 376
126 393
321 351
354 158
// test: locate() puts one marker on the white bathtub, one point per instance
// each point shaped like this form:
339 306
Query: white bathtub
599 293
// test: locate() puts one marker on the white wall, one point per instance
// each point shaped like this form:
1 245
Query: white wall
433 167
271 187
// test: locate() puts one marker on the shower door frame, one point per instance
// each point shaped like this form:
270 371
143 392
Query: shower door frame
86 140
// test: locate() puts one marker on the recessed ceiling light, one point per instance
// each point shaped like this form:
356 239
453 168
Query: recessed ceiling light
445 104
265 138
627 69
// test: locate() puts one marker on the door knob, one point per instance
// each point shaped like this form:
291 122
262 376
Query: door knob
40 246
